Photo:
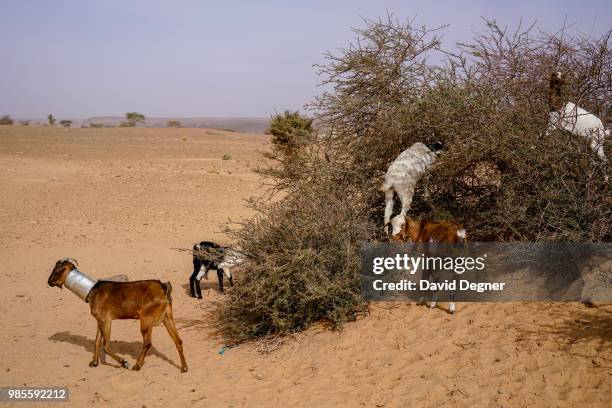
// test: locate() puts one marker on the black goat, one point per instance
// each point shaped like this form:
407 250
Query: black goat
209 255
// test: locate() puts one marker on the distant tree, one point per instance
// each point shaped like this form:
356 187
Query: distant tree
289 131
174 123
124 124
133 118
51 119
6 120
66 123
96 125
24 122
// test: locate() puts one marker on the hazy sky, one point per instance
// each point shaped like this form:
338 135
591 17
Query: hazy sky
210 58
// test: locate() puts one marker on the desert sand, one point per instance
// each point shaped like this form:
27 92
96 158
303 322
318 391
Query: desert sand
124 201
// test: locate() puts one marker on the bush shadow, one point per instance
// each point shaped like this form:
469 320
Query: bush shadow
577 327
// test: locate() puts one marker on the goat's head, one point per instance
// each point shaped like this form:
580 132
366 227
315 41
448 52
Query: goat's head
405 229
436 146
557 80
61 270
397 228
555 98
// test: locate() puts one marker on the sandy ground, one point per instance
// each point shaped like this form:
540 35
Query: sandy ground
122 200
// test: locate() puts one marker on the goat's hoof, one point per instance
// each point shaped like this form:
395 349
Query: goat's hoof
125 364
199 297
136 367
93 363
184 369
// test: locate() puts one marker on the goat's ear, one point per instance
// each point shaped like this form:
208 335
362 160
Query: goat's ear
435 146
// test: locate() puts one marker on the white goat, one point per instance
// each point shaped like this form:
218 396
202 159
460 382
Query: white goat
402 177
572 118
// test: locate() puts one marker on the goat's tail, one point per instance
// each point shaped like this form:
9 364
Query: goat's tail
168 288
462 242
461 234
386 187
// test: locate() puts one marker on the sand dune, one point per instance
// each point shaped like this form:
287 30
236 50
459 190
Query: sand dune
122 201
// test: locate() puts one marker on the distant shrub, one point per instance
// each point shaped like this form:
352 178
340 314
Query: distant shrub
133 118
291 134
6 120
123 124
51 119
66 123
96 125
226 157
289 131
174 124
24 122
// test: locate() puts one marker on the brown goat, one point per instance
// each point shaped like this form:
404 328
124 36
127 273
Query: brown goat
423 231
147 300
430 231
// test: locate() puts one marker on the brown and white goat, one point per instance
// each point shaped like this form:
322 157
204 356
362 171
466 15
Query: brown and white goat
149 301
428 231
424 231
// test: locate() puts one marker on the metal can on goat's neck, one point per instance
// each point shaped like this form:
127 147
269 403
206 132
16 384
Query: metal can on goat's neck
79 283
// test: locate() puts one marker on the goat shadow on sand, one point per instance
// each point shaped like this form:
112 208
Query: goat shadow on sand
205 285
132 349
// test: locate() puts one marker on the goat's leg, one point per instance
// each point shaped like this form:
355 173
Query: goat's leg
389 194
220 276
198 289
434 295
230 278
193 283
96 356
434 300
202 272
553 119
146 328
597 144
451 305
425 276
105 328
170 326
406 199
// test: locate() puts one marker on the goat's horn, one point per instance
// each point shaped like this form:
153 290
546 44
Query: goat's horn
71 260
